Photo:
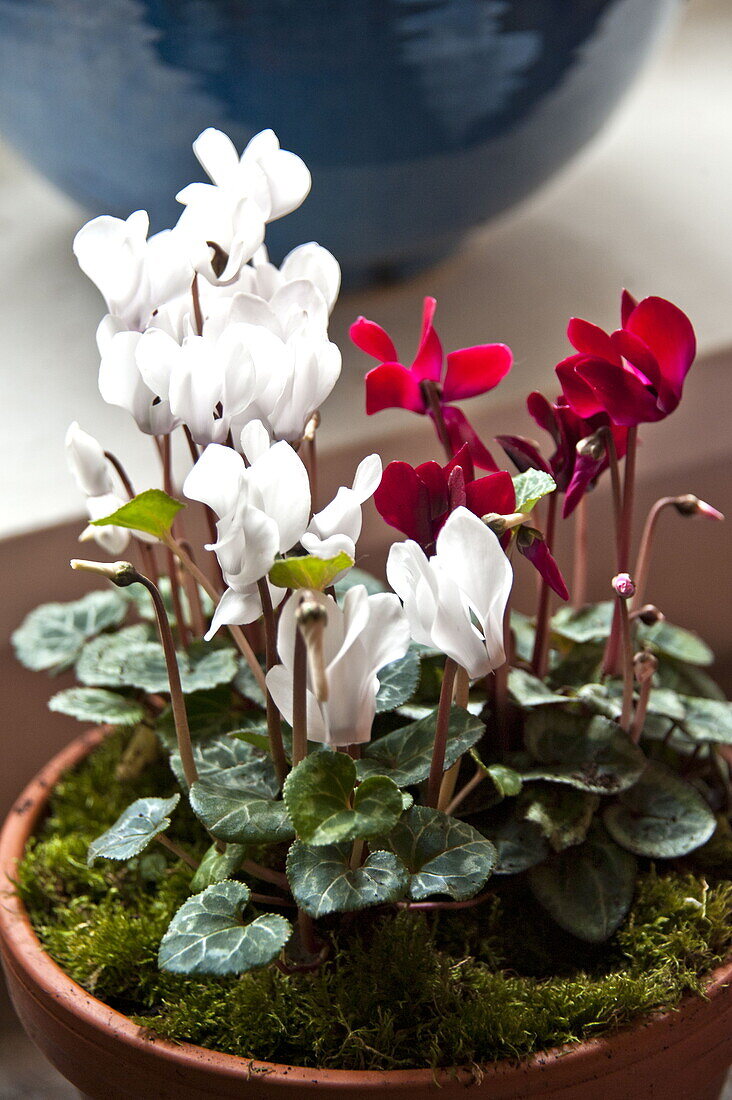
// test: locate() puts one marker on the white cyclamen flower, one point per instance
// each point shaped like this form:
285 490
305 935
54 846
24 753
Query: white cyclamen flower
122 384
263 184
337 527
456 600
310 262
135 275
92 472
359 638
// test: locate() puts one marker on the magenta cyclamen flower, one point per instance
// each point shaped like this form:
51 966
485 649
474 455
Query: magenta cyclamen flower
467 372
636 374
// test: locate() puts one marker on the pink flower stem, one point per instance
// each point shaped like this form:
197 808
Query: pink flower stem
463 793
639 717
177 851
193 594
449 779
299 701
627 657
441 729
626 525
646 547
274 726
540 655
611 661
166 457
579 578
431 391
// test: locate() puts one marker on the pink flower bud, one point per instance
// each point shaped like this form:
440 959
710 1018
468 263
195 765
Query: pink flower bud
690 505
623 586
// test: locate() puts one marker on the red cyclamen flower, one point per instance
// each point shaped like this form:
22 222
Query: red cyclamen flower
636 374
467 372
574 470
418 501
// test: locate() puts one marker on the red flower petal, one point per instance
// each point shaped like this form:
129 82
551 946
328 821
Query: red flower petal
371 338
472 371
428 360
461 431
392 386
403 501
540 557
494 493
621 393
627 305
523 453
579 394
591 340
669 335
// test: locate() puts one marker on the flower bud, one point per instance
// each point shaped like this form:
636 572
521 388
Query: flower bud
649 614
623 586
644 666
121 573
311 427
690 505
500 524
593 446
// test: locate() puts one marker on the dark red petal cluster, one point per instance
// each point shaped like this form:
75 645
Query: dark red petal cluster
634 375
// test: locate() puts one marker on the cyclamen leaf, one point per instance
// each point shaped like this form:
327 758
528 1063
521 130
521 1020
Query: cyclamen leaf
443 855
398 682
134 829
406 754
308 571
322 880
595 756
240 816
229 762
528 691
524 633
52 636
245 683
661 816
139 597
152 511
217 866
562 813
208 936
114 662
209 715
325 809
674 641
97 705
707 719
587 889
359 576
530 487
589 624
519 845
506 781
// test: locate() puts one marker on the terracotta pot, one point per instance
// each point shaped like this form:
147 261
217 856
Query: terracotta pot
674 1056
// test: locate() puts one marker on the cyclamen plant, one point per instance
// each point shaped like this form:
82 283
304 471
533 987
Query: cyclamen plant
380 748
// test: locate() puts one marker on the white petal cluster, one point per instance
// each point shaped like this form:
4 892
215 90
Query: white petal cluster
244 341
359 638
92 472
456 600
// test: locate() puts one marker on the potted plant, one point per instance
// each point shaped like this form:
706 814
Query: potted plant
327 835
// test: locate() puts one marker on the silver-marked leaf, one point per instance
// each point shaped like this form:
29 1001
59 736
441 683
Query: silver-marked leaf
675 641
208 935
217 866
246 683
530 487
707 719
322 880
52 636
134 829
519 845
209 715
443 855
97 705
139 597
588 624
506 781
587 889
325 808
406 754
122 662
229 762
661 816
398 682
596 756
563 813
240 816
528 691
524 634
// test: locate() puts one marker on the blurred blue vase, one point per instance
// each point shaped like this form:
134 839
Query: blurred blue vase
418 118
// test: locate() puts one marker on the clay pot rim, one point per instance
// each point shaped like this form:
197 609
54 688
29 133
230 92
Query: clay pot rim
24 950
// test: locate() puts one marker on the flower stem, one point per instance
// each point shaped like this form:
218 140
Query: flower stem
449 779
166 458
266 874
193 595
463 793
441 728
623 524
274 727
540 656
626 525
177 851
612 457
646 546
431 393
579 579
196 297
639 717
299 701
627 654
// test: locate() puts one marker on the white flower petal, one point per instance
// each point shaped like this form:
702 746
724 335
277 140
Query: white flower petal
87 462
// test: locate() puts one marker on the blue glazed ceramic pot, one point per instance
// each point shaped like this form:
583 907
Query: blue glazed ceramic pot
418 118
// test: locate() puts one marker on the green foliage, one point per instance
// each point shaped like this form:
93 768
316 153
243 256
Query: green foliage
140 599
530 487
563 814
398 681
136 827
674 641
308 571
230 762
596 756
406 754
590 624
326 809
217 866
359 576
207 934
210 714
152 511
96 705
520 844
528 691
322 880
239 816
124 660
443 855
506 781
51 637
661 816
587 889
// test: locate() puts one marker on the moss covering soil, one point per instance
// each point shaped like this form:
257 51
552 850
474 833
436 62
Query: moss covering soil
400 989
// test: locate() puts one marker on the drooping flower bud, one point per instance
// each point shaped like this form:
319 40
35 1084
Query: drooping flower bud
649 614
593 446
644 666
121 573
690 505
623 586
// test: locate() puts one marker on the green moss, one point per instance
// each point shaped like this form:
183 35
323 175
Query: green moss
400 989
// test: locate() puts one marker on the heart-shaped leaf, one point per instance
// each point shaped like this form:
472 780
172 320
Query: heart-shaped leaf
587 889
443 855
96 705
209 715
325 808
125 662
308 571
661 816
563 813
707 719
674 641
322 880
398 681
595 756
134 829
589 624
530 487
519 844
208 936
406 754
229 762
528 691
217 866
52 636
240 816
152 511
